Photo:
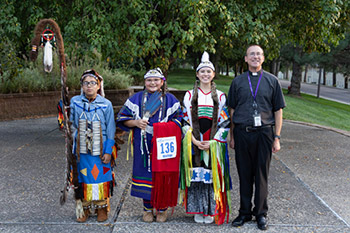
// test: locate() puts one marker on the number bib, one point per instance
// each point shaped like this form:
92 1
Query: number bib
166 148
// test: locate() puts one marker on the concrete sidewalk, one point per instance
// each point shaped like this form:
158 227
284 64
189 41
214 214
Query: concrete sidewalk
309 185
326 92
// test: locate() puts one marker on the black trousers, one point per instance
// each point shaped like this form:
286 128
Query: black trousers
253 151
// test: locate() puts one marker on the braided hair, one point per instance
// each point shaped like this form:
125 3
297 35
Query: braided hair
195 119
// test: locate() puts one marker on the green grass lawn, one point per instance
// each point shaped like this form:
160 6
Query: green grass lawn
305 108
184 80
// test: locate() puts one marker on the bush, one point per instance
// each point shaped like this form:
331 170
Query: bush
113 79
137 77
34 79
10 64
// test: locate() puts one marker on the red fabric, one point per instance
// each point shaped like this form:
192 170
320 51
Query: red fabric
160 130
206 135
105 170
165 173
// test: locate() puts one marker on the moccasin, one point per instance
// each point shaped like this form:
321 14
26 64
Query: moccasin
85 217
102 214
147 216
162 216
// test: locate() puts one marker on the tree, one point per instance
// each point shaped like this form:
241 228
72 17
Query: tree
311 26
341 61
255 25
160 32
156 33
337 60
9 34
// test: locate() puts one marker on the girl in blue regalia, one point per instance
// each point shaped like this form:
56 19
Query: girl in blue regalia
132 117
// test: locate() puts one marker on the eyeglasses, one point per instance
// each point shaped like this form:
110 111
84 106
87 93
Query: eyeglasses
92 83
158 80
252 54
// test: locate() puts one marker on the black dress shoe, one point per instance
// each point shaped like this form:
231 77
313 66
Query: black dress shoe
240 220
262 222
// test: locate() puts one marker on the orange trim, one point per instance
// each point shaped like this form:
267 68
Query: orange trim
85 190
105 189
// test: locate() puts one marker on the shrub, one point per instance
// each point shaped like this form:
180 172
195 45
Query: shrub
137 77
34 79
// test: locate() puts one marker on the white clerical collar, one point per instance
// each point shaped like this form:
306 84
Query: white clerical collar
255 73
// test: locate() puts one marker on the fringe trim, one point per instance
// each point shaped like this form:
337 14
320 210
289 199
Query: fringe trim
165 189
130 145
94 192
221 180
185 166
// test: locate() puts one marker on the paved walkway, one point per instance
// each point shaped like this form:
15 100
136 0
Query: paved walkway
309 185
326 92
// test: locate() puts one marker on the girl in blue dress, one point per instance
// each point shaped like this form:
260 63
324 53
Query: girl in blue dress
132 117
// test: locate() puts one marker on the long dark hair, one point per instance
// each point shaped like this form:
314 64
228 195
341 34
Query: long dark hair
195 120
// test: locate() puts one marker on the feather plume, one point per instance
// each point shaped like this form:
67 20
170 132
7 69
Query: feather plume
205 57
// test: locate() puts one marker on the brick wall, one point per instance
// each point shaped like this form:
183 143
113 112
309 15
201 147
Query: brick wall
14 106
29 105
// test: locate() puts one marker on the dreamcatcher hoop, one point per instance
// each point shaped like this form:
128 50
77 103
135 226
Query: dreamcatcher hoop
47 34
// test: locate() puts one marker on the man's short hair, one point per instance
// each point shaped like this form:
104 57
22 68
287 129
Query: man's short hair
251 45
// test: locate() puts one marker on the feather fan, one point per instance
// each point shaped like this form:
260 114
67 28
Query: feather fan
152 105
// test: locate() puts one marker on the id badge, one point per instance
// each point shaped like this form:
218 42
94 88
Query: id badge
257 119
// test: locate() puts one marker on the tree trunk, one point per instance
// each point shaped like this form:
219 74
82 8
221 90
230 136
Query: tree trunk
334 82
287 73
346 82
305 74
227 69
195 64
216 60
324 77
236 69
278 66
242 67
319 82
273 67
296 79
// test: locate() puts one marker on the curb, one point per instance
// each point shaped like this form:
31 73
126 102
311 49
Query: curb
342 132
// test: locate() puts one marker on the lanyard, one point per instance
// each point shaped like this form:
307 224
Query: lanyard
257 86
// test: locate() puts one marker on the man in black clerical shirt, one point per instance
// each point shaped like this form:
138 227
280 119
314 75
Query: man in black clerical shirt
256 101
